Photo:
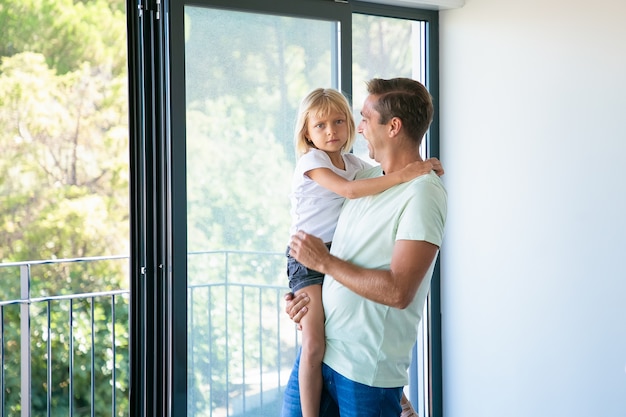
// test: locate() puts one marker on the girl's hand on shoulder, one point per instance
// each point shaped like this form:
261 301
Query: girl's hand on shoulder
436 165
418 168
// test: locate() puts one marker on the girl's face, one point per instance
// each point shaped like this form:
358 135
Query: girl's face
328 133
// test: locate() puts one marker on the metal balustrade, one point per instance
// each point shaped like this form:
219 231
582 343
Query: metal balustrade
241 344
72 349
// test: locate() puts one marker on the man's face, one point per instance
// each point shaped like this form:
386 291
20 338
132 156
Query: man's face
372 131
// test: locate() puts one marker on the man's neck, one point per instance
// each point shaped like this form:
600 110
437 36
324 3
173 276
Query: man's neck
400 159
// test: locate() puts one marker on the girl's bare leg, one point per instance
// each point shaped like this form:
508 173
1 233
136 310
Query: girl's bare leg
313 346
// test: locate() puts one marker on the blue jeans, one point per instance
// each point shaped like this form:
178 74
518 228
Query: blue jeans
343 396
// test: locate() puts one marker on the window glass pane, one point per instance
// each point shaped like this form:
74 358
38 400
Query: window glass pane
245 76
384 47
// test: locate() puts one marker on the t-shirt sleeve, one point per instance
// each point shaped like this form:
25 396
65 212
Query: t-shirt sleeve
358 163
312 160
424 215
364 165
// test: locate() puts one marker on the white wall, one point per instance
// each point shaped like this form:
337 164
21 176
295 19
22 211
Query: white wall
533 111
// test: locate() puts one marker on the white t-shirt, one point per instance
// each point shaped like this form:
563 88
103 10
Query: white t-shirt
369 342
315 209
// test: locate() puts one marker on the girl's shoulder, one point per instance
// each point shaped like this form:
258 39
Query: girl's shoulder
355 161
314 158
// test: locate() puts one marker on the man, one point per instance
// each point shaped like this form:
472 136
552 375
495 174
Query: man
380 265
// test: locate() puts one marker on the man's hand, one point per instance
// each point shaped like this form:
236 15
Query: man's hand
295 306
309 250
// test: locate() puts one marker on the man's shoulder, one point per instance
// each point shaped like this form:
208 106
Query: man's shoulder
370 172
430 180
421 193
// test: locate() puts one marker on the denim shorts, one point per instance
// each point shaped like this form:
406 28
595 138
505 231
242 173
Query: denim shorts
342 396
300 276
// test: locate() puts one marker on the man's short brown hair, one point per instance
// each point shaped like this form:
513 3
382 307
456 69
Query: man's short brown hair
406 99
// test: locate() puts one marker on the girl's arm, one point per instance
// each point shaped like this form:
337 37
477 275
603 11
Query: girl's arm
369 186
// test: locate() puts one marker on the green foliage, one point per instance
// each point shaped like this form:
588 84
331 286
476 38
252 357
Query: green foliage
64 194
384 47
67 33
265 69
236 190
64 186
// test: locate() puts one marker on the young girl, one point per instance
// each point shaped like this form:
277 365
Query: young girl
323 178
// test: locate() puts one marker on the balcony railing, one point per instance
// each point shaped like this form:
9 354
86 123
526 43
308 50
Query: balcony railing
67 353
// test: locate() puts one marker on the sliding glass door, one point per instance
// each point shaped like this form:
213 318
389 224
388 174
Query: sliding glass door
217 89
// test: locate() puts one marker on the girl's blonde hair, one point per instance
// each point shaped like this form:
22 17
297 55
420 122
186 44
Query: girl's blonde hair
319 103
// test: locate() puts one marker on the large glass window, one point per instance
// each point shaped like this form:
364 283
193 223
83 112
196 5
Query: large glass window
245 75
384 47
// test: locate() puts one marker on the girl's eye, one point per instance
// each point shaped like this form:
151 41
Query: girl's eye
340 121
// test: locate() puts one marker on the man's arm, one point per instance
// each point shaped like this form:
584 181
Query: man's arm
396 287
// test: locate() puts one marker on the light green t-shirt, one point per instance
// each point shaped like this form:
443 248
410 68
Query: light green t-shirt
369 342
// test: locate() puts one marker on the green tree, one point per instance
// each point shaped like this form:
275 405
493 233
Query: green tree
269 59
63 186
236 198
64 194
67 33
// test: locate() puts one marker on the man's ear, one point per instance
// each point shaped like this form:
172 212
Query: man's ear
395 125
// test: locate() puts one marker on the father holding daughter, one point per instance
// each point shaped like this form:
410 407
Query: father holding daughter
379 267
